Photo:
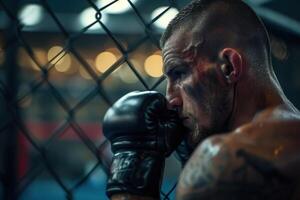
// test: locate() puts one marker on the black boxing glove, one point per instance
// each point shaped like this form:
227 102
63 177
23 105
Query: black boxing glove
142 132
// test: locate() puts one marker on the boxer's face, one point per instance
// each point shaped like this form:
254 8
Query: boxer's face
195 86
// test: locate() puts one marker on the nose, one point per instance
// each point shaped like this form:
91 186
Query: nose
173 96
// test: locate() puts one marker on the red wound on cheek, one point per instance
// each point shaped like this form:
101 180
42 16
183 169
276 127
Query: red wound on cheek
190 54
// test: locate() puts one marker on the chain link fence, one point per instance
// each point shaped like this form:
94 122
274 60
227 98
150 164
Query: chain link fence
51 143
52 103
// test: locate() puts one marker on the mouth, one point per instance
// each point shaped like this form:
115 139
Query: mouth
184 119
186 122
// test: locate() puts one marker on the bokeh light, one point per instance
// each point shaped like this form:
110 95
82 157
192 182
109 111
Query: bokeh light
64 64
154 65
163 21
104 61
31 14
61 59
88 16
120 6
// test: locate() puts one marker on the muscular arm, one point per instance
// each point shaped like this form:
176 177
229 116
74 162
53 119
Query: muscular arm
216 171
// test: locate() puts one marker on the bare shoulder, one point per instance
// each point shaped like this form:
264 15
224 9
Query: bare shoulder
256 161
206 165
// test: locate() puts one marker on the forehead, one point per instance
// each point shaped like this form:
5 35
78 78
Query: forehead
182 46
186 32
172 50
176 42
183 38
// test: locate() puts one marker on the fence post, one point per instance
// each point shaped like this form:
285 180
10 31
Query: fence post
10 135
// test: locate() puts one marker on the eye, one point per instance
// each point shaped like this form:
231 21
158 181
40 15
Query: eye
178 73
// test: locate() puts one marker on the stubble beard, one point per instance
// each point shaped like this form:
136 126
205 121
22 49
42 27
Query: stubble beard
199 132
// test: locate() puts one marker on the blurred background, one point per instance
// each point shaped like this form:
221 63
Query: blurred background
63 63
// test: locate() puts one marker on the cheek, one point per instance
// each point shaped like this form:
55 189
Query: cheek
202 89
193 89
192 96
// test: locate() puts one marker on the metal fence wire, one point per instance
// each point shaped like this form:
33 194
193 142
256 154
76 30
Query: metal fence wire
50 129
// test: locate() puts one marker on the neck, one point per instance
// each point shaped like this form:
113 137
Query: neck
251 98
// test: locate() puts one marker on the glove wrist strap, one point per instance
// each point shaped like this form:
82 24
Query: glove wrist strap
138 173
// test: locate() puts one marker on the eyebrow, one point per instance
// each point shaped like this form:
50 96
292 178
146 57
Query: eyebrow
169 68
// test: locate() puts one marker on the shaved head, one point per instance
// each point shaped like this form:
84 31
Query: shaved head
218 24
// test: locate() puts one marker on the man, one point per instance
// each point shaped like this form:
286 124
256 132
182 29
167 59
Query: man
243 131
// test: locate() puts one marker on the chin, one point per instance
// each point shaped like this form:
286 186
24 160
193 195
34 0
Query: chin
197 134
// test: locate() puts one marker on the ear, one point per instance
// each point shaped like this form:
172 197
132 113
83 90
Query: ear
231 65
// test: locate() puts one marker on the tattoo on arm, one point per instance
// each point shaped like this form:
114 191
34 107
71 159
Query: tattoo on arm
202 170
273 184
211 174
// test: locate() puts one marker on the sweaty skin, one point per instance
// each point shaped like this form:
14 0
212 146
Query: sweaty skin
206 99
259 160
244 131
258 156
